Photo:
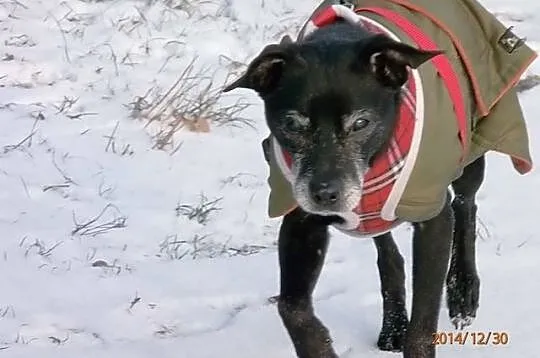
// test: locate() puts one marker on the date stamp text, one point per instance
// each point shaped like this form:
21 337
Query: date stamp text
475 338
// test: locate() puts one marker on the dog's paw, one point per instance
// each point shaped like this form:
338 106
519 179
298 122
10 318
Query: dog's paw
462 295
460 322
392 336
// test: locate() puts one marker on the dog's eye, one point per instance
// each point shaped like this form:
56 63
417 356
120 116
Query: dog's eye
359 124
295 122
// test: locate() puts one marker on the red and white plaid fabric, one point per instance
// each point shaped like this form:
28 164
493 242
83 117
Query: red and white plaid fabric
387 167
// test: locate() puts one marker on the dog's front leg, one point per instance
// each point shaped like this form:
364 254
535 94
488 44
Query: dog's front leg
303 240
431 252
392 276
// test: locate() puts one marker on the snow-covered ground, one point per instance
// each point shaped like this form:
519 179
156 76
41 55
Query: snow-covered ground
112 247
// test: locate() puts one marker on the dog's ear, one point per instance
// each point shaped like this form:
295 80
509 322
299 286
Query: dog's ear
265 71
388 60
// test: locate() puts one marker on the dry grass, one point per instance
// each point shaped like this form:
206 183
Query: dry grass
100 224
199 212
204 247
193 102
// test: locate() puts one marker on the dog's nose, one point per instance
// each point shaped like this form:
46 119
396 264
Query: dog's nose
324 192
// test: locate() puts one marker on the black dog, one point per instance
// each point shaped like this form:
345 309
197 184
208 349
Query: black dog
331 100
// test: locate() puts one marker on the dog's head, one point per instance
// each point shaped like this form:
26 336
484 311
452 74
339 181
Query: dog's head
332 104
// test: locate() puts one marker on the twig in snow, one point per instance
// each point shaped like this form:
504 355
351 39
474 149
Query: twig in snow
199 212
20 4
114 58
9 148
54 186
20 339
139 104
172 246
111 143
66 104
42 250
114 267
111 137
66 52
64 175
7 311
165 331
25 187
79 115
26 140
134 301
104 190
94 227
58 341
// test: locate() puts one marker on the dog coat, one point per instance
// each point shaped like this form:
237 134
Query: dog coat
448 118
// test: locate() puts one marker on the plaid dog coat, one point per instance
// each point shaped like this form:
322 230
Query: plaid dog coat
408 182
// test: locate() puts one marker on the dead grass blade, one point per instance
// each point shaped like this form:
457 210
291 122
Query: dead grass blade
193 102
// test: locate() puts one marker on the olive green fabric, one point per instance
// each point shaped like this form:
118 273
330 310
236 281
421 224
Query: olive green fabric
477 33
495 72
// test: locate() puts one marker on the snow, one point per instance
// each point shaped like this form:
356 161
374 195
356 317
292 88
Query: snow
98 257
